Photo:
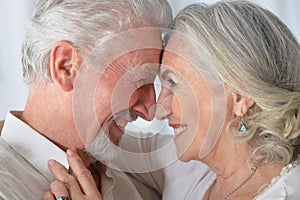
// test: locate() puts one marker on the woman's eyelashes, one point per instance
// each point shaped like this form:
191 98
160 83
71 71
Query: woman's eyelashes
171 83
168 78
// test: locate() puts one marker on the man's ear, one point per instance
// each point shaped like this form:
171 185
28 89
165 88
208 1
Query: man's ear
241 104
64 64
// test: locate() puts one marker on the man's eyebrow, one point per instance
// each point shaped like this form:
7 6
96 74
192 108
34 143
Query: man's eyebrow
150 70
145 68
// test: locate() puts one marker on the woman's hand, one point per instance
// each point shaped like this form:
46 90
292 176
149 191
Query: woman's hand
80 187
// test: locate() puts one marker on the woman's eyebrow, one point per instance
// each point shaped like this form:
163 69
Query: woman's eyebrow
166 73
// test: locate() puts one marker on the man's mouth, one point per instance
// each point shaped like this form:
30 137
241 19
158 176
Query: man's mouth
124 117
119 123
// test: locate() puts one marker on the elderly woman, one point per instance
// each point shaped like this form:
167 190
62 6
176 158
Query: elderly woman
231 90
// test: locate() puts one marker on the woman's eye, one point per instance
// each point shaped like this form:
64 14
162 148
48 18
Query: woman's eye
171 82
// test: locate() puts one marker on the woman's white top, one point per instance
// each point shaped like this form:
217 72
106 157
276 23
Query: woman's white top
286 186
189 181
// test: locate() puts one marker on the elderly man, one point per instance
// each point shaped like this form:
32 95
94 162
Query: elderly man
90 65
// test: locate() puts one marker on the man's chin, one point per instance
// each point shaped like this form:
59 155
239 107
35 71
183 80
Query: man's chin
102 149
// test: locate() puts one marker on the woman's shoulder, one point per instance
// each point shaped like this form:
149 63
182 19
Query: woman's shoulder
286 185
187 180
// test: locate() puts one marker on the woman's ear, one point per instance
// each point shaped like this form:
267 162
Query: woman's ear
64 64
241 104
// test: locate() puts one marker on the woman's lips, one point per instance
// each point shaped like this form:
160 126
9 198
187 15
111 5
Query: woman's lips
179 129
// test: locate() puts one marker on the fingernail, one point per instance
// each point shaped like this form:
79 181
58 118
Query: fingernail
51 163
70 152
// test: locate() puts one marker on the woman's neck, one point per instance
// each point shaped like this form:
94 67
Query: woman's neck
231 161
228 157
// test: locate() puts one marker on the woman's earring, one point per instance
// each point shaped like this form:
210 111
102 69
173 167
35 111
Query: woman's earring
243 128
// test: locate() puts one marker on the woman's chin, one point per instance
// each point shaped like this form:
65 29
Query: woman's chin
185 158
183 152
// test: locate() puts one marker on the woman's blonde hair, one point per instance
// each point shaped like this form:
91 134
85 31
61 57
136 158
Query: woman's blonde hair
255 54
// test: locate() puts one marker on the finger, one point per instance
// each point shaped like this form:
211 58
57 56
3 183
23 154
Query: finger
63 176
83 175
48 196
59 189
60 172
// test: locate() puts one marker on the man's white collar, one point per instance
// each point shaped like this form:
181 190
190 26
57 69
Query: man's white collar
33 146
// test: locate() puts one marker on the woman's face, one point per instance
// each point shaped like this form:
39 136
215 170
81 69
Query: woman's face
193 102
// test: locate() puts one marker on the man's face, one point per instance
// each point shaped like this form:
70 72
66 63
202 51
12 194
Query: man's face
126 90
120 91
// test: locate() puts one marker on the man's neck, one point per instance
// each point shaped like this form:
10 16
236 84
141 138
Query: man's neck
48 110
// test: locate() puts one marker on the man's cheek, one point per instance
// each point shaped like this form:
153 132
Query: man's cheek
124 96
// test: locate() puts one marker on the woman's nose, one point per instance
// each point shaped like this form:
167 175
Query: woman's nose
164 106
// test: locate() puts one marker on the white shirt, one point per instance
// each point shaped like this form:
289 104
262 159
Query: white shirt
23 161
24 174
286 186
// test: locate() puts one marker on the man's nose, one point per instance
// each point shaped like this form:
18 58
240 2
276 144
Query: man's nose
145 105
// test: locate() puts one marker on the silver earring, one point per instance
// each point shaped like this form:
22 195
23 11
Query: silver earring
243 128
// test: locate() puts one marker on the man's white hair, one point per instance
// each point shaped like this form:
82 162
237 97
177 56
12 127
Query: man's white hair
83 22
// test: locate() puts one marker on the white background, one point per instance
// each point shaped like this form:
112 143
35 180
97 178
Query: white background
15 13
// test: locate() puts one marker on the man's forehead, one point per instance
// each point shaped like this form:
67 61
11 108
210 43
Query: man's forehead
127 49
141 61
